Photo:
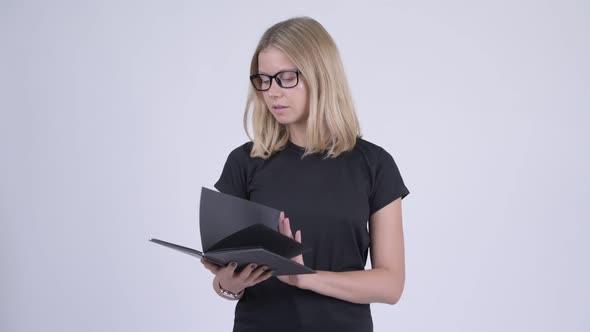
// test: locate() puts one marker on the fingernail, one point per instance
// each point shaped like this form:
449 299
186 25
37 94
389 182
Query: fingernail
264 269
253 266
234 264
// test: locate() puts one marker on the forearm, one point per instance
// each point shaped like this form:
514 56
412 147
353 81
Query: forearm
365 286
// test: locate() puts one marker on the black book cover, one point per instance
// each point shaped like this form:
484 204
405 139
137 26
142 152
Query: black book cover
238 230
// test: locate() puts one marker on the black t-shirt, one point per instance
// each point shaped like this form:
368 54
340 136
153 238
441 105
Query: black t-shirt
330 201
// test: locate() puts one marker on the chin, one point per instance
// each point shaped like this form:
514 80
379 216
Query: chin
287 120
283 120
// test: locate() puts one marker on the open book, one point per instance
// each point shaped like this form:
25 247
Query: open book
238 230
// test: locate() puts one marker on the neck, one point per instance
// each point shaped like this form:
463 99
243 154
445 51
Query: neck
297 133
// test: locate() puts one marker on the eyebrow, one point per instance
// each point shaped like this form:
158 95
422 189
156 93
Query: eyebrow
284 69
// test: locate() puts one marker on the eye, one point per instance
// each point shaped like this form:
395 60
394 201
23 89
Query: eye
287 76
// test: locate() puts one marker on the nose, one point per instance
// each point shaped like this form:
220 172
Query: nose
275 90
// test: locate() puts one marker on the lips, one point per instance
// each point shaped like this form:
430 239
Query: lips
279 109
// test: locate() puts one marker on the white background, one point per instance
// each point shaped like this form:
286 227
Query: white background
115 113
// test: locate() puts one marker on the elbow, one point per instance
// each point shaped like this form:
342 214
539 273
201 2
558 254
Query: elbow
393 296
392 287
391 299
394 291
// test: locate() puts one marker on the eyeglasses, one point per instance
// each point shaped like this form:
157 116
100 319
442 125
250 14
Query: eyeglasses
285 79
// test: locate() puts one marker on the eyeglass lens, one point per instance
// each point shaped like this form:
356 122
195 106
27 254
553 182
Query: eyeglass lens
286 79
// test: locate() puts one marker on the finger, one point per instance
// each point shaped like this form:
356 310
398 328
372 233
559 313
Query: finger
210 266
281 218
282 228
246 271
262 277
288 228
229 270
298 259
256 273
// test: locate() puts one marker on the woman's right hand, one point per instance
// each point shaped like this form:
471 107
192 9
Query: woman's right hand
234 281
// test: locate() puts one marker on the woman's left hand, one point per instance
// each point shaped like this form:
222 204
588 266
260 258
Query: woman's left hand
285 228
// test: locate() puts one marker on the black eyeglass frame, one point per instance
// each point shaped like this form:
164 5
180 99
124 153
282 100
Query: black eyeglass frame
276 78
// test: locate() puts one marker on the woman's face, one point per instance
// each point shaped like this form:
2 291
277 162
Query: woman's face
288 105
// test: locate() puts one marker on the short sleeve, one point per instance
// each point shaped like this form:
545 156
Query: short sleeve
388 184
233 179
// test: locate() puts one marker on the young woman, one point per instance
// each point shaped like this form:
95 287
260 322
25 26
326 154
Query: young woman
307 159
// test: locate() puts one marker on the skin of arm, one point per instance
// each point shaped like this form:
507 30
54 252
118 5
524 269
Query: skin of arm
227 276
383 283
218 291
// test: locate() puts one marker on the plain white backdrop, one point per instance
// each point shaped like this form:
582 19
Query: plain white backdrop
115 113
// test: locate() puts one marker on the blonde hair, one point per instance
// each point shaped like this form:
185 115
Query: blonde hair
332 124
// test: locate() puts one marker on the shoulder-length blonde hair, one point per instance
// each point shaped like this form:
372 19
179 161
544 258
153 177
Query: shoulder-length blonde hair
332 124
